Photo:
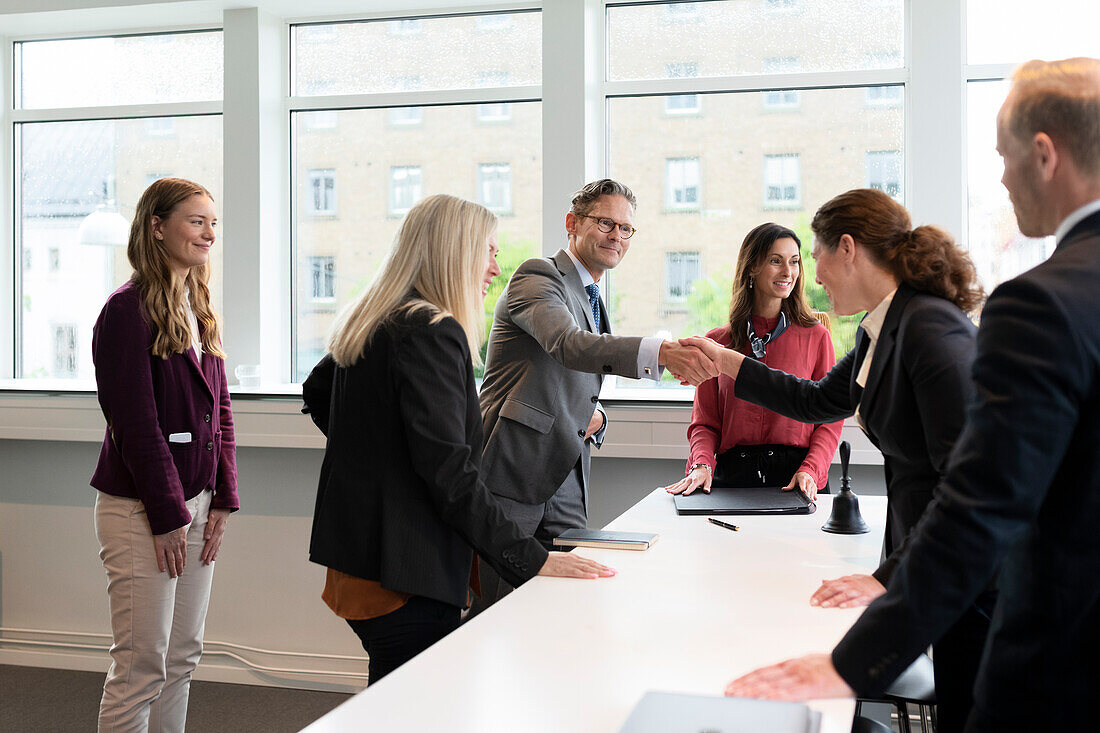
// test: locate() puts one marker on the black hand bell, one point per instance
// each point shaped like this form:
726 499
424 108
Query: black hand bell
845 518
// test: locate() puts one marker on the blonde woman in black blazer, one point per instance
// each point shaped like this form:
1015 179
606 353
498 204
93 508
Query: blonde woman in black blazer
401 506
907 380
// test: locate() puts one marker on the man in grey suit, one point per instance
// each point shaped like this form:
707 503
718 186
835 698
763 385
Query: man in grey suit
549 350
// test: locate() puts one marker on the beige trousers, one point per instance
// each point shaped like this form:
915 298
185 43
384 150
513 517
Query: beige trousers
157 621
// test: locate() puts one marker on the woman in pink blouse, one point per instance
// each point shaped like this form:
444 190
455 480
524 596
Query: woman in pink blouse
737 443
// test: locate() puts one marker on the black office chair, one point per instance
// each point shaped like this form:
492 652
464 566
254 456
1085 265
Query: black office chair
917 686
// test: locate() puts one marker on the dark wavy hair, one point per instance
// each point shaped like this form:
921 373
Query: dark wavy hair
753 252
925 258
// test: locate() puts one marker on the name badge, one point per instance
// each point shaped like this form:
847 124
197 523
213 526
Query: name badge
179 438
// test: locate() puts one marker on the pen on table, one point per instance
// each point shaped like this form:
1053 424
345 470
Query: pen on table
720 523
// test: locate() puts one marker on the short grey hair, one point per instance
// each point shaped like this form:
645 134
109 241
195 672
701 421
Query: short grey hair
585 199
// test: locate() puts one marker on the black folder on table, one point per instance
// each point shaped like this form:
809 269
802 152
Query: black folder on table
666 712
745 500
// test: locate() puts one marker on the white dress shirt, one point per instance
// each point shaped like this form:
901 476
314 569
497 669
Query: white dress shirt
872 326
1075 218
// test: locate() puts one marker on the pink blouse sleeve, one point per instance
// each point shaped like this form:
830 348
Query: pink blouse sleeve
824 438
705 429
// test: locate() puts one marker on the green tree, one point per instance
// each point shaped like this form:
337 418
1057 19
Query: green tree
709 302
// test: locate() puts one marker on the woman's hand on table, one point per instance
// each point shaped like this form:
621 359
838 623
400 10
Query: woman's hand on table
699 476
850 591
568 565
171 549
811 677
215 530
805 483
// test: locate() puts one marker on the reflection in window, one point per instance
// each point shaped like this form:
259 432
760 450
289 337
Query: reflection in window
884 172
405 188
322 192
681 272
65 350
782 180
786 98
682 183
494 186
322 277
682 104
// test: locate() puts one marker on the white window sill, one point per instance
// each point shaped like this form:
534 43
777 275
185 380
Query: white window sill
270 417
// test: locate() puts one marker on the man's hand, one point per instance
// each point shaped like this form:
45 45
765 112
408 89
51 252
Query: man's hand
727 361
687 363
171 549
805 483
699 476
568 565
849 591
215 530
807 678
594 424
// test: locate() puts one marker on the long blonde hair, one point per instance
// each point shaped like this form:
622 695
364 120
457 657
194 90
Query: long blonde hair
162 291
436 264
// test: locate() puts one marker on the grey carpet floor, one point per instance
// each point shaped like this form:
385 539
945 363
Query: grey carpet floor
37 700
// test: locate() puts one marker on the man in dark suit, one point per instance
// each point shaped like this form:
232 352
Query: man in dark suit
549 350
1023 484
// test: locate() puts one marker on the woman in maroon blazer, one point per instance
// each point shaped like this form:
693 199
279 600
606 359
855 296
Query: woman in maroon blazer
167 475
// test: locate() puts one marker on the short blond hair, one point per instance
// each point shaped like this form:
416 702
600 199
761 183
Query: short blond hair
436 264
1061 99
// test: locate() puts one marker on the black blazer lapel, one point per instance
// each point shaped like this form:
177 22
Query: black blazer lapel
884 345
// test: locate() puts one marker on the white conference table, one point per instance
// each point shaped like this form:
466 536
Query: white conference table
699 608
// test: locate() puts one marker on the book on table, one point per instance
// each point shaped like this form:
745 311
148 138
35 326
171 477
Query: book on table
606 539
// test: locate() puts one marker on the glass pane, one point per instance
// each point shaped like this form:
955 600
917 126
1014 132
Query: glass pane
1014 31
88 72
79 183
736 37
750 165
998 249
379 170
455 52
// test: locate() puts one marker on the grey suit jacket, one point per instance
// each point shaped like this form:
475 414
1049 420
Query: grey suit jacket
543 372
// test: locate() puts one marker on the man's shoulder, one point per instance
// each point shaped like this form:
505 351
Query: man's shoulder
538 266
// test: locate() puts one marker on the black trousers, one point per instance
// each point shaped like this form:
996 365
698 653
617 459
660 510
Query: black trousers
746 466
397 637
956 657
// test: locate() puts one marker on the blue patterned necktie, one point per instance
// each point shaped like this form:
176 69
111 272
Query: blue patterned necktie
593 291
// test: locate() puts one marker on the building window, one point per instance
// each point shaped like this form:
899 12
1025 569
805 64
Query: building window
785 98
884 172
681 272
781 5
405 188
322 278
406 116
493 21
683 13
782 181
682 104
494 186
406 26
54 256
322 119
160 126
493 111
322 192
65 353
890 96
682 183
26 259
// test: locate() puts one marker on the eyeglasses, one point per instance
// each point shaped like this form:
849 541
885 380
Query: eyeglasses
606 226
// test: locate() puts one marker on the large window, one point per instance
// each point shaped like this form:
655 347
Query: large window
82 163
778 139
424 108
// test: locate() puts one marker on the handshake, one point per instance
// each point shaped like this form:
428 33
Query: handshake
696 359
